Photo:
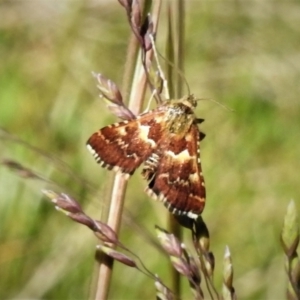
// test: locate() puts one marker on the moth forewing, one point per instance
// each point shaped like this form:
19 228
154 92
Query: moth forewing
166 139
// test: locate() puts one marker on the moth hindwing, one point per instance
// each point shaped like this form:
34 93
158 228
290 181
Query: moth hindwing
167 141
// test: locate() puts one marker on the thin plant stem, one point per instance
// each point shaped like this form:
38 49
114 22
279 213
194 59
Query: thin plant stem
180 45
120 183
176 56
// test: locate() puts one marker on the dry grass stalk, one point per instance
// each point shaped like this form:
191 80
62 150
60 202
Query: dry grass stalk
290 241
108 239
136 98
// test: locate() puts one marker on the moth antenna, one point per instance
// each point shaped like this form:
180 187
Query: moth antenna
178 71
150 100
161 73
220 104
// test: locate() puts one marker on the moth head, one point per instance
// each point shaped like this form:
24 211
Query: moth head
189 101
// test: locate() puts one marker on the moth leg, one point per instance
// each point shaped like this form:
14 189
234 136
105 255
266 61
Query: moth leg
150 100
198 121
150 167
201 135
162 77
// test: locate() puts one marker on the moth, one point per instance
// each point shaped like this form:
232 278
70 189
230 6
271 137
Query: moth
167 141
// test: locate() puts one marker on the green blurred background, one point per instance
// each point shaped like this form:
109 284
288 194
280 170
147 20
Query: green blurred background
243 54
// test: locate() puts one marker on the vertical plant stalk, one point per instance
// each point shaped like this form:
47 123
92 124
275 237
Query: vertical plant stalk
175 54
120 183
180 45
290 237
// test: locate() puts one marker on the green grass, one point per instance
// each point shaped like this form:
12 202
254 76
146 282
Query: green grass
244 55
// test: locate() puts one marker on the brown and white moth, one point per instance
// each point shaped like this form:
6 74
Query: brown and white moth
167 141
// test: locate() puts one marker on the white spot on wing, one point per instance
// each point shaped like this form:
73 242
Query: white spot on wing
193 177
143 134
183 155
192 215
91 149
162 198
121 130
151 194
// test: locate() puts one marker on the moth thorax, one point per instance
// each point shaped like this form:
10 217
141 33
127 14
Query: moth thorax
150 166
180 119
